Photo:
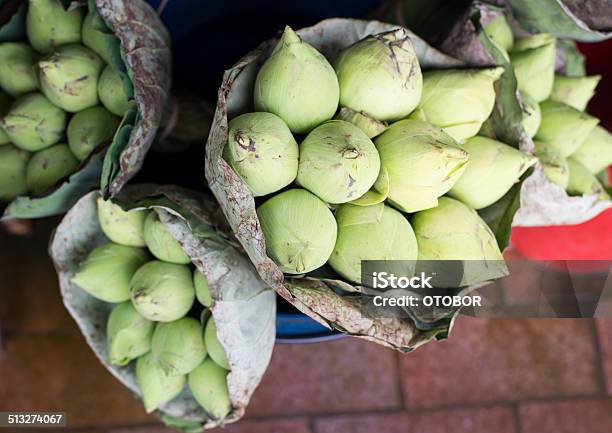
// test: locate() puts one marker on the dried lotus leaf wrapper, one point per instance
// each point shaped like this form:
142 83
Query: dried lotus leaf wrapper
243 306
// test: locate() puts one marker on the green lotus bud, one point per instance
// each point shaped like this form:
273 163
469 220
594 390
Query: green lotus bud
17 74
453 231
13 165
208 384
5 106
533 60
458 100
94 39
128 333
363 121
69 77
298 84
49 24
107 271
596 151
162 291
112 93
262 151
492 170
178 346
563 127
299 229
215 349
122 227
201 288
47 167
338 162
375 232
156 387
380 75
532 116
34 123
574 91
583 182
161 243
499 31
422 163
89 129
553 164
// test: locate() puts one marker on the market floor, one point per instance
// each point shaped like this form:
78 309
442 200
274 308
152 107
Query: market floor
502 375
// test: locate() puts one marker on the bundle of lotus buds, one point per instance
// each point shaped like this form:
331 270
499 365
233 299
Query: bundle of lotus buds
160 319
572 148
382 145
60 100
68 93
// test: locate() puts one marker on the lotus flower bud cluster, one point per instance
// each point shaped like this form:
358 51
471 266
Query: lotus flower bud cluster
61 101
156 322
380 142
570 145
571 148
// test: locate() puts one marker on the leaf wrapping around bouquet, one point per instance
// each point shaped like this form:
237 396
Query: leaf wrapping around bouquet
243 306
575 19
317 298
139 49
538 201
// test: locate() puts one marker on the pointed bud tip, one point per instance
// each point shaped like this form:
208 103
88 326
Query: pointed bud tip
290 36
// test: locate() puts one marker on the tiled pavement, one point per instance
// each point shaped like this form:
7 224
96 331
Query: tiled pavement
493 376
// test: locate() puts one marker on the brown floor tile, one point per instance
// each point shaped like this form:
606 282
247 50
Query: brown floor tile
30 300
60 373
585 416
480 420
345 375
487 360
604 331
520 285
294 425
